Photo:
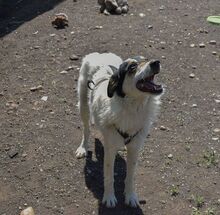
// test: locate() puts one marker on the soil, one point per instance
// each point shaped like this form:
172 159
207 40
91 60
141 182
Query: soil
178 165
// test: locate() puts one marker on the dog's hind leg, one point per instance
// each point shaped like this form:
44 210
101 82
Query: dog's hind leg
84 111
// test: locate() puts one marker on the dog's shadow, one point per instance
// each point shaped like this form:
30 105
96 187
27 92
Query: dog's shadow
94 181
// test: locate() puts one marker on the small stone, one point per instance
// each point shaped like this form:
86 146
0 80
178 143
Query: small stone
217 101
192 45
194 105
170 156
74 57
13 152
69 68
44 98
1 94
194 67
202 45
39 87
214 53
28 211
212 42
36 47
163 57
192 75
98 27
217 130
24 155
162 7
150 26
142 15
163 128
63 72
52 35
215 138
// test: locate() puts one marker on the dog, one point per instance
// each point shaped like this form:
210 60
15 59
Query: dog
123 102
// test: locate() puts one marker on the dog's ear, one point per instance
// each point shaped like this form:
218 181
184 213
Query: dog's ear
112 84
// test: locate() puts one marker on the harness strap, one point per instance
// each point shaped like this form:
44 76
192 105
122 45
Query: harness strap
127 138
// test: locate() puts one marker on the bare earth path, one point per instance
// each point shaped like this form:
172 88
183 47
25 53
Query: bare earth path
178 168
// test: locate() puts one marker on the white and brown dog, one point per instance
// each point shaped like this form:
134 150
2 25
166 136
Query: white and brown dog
123 101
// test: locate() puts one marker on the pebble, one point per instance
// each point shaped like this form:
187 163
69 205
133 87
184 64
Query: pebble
142 15
150 26
44 98
194 105
63 72
170 156
98 27
28 211
212 42
39 87
215 138
13 152
52 35
202 45
194 67
74 57
192 75
192 45
163 128
217 101
214 53
217 130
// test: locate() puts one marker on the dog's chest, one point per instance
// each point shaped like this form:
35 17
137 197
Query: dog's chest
131 119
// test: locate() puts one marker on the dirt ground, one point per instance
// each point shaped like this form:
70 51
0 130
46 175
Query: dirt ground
178 172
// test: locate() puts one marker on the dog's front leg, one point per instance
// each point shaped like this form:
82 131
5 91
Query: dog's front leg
109 158
131 198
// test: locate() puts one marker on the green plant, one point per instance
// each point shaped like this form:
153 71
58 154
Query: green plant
196 211
210 211
174 191
199 200
210 158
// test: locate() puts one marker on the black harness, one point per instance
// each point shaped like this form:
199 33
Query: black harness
127 138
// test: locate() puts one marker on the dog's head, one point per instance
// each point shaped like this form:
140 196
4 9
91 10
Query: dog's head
135 78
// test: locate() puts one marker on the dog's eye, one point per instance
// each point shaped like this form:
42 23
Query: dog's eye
132 67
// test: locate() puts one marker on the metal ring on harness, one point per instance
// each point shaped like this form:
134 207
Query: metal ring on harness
88 84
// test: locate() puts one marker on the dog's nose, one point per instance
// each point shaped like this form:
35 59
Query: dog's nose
155 66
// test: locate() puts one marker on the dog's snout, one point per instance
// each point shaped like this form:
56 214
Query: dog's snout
155 66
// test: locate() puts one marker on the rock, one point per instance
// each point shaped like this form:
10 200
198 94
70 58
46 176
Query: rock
170 156
150 26
13 152
52 35
215 138
44 98
142 15
163 128
194 67
202 45
63 72
217 101
192 75
39 87
214 53
60 21
192 45
28 211
162 7
217 130
98 27
212 42
194 105
74 57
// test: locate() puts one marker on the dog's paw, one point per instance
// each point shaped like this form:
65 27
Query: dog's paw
109 200
131 199
81 152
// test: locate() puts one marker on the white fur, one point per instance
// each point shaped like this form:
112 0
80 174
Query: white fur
135 112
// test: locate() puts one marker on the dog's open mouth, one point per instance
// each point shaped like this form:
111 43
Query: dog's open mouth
148 85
